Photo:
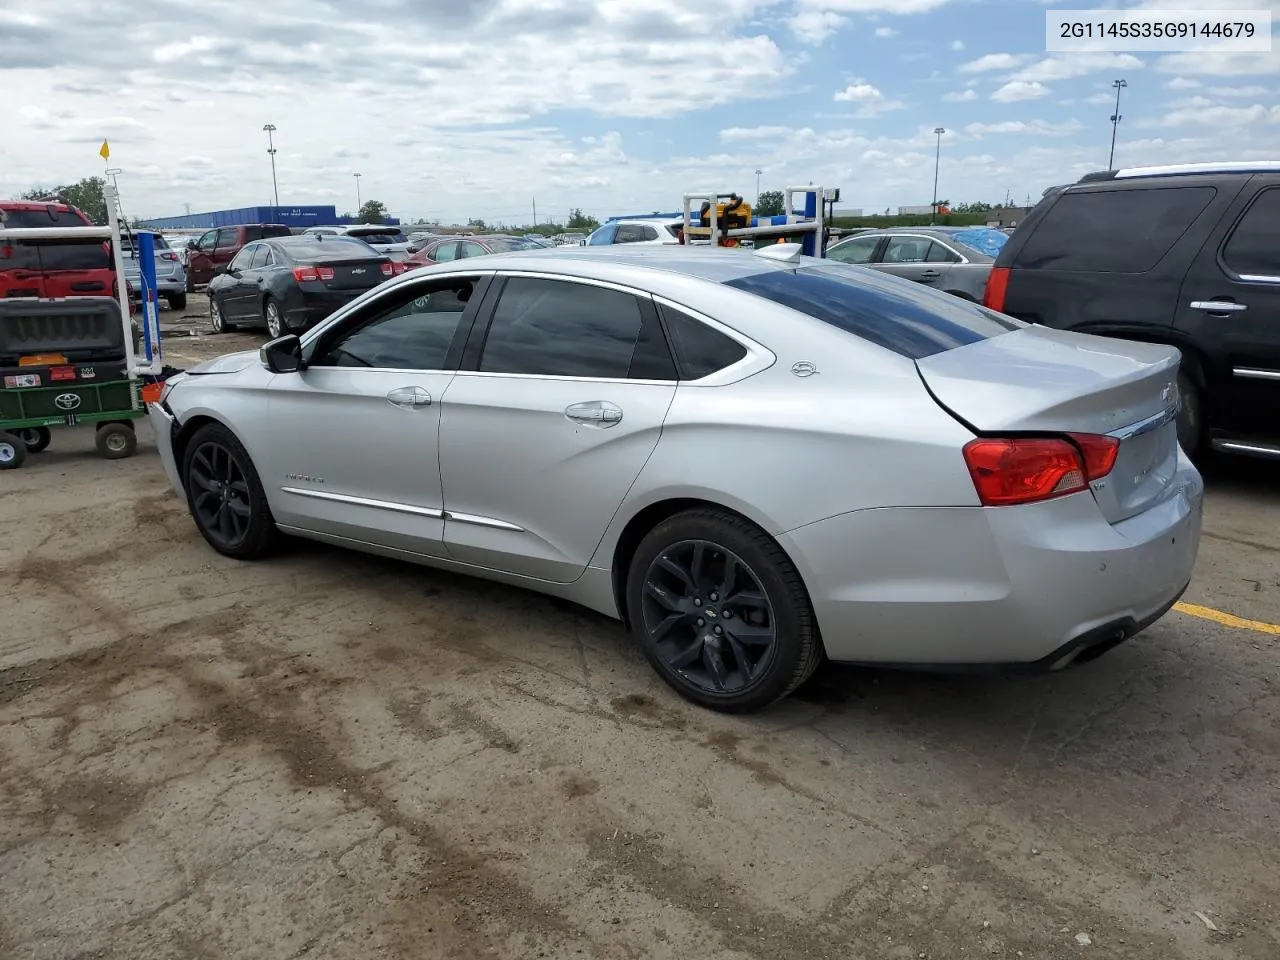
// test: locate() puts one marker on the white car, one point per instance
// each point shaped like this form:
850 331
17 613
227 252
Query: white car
656 231
389 240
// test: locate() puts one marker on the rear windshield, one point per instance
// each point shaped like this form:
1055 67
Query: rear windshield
1112 231
509 244
890 312
378 236
127 241
91 255
257 233
313 250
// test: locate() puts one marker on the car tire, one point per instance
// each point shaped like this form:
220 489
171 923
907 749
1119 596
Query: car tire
1190 414
35 439
274 319
13 452
225 495
177 301
217 321
721 612
116 441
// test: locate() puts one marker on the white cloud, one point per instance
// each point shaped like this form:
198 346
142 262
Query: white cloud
1099 99
1253 91
1182 83
993 61
1067 66
761 133
876 6
1207 113
1016 90
957 45
814 26
886 32
1040 127
1221 64
858 92
961 96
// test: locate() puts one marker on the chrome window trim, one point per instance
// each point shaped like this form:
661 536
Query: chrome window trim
1255 373
1258 278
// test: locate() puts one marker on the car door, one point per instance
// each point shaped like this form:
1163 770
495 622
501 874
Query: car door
907 256
1229 308
236 286
227 247
559 402
353 450
200 260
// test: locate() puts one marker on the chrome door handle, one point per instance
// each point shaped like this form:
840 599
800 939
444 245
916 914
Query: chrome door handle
597 412
411 397
931 274
1219 306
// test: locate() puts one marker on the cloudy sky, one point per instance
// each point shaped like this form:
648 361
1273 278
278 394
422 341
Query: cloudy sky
453 109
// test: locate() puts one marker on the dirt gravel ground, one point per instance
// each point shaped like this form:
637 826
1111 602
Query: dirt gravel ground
334 756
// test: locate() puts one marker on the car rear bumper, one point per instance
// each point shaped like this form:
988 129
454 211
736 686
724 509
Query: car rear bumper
1036 586
164 425
305 308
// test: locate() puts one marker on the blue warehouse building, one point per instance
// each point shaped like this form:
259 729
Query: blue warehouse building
297 217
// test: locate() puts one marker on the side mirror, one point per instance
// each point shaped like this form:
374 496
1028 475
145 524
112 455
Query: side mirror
414 248
191 245
282 355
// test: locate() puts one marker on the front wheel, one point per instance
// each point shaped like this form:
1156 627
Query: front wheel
12 451
225 495
721 612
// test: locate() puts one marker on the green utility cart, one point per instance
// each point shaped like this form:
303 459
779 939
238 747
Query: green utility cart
63 363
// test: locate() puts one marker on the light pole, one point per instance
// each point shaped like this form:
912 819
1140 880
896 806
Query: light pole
1115 122
937 163
758 172
270 129
358 203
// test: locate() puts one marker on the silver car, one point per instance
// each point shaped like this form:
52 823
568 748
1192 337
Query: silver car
171 274
955 260
752 459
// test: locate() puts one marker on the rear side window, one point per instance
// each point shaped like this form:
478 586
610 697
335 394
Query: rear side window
1254 247
1112 231
701 350
559 328
896 314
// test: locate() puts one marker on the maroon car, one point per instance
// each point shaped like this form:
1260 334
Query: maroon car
447 249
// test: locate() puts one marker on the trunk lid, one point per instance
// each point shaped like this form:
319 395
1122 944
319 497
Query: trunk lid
359 274
1044 381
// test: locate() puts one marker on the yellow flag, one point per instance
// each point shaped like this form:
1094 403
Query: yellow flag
105 152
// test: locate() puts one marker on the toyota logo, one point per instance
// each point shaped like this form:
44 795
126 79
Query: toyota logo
66 401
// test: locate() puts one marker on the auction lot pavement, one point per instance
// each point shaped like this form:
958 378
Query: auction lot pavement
327 755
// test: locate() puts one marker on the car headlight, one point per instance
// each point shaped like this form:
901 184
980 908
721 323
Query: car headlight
170 384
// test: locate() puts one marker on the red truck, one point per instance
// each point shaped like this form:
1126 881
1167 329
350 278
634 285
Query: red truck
52 269
216 248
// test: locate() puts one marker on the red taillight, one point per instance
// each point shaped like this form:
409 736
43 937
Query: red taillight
1099 453
305 274
388 269
997 288
6 253
1023 470
168 255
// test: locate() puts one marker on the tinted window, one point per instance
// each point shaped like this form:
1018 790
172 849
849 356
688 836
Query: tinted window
895 314
261 256
242 259
312 250
629 233
227 237
701 350
857 250
415 334
941 254
1254 247
378 236
261 233
91 255
1112 231
14 219
560 328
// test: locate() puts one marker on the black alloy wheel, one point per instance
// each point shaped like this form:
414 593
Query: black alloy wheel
225 496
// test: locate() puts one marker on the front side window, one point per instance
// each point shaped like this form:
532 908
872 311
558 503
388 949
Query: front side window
227 238
207 241
560 328
415 332
242 259
857 250
603 236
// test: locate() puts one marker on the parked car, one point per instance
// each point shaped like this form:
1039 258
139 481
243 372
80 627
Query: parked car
53 269
955 260
178 244
290 283
216 248
637 231
445 249
386 240
923 481
1187 255
171 276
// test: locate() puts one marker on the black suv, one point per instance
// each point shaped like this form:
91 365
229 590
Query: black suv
1187 255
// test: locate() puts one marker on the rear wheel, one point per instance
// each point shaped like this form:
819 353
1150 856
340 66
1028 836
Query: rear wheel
276 326
12 451
35 439
225 495
1190 421
721 612
116 441
216 320
177 301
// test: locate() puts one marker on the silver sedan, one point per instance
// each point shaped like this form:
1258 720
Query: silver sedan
752 459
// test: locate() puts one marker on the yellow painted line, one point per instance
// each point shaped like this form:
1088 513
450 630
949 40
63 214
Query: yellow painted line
1228 619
